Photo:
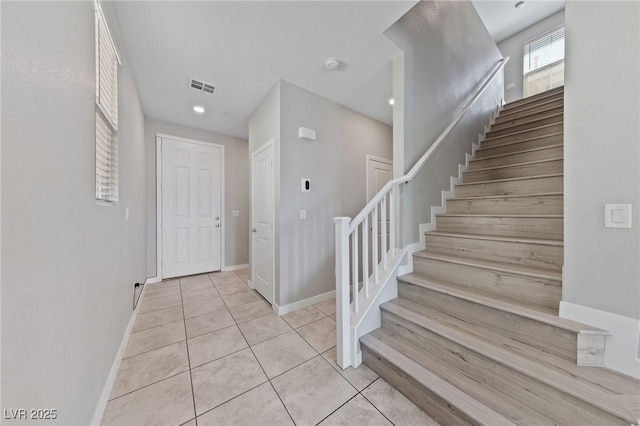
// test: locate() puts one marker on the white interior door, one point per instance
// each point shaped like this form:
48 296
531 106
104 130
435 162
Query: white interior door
262 204
379 172
191 207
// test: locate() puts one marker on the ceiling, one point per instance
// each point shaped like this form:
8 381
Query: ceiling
245 47
503 20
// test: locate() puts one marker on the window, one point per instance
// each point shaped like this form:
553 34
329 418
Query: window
106 112
544 63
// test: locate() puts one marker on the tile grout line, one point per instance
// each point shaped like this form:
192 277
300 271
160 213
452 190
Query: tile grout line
371 402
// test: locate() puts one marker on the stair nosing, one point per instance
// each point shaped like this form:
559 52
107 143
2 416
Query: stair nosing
532 121
516 362
525 151
527 163
510 179
524 131
518 141
419 372
541 194
546 242
502 267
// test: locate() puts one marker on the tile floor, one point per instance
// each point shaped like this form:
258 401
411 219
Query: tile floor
208 350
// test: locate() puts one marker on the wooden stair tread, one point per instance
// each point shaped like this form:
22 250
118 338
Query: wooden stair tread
597 377
523 131
559 116
534 99
521 152
497 238
507 166
507 268
463 402
530 117
510 179
506 114
542 194
566 384
518 141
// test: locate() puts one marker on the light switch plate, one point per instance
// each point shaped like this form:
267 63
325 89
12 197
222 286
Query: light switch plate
617 215
235 213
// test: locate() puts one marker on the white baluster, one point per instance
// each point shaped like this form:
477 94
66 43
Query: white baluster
343 316
392 221
374 244
354 267
383 232
365 255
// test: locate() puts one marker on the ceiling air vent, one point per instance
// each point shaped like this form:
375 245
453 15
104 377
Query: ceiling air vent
201 86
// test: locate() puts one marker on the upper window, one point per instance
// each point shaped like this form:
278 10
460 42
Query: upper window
544 62
106 112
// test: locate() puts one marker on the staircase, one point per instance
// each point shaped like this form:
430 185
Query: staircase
474 336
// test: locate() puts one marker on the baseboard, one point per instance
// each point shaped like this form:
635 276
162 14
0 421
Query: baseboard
235 267
111 378
623 347
152 280
285 309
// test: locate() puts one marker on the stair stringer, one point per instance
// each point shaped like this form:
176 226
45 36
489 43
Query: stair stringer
445 195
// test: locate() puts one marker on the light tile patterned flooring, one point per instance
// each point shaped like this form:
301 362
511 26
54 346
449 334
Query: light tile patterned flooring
208 350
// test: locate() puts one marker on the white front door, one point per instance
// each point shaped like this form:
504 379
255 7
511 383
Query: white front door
262 205
191 207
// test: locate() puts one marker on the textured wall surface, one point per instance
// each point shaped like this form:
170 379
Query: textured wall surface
447 55
236 189
602 155
68 265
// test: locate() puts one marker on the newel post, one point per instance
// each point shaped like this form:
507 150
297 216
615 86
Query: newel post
343 317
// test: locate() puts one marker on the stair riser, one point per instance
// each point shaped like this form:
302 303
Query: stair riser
552 204
491 148
514 187
508 115
541 291
534 100
553 340
517 158
537 255
526 170
507 121
524 126
525 227
545 399
527 134
432 404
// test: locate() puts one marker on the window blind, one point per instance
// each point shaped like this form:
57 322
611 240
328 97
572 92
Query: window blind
106 112
544 62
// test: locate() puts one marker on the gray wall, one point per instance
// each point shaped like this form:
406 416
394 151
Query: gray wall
513 47
602 155
68 265
336 165
447 55
236 189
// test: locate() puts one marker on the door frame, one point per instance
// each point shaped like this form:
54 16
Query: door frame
269 144
159 242
369 159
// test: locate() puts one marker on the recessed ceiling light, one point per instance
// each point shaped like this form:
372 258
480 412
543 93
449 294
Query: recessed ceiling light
391 101
199 109
519 5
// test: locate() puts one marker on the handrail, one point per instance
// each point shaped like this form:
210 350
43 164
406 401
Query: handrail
421 162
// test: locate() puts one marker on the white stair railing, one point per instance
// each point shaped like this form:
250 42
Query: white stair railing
353 253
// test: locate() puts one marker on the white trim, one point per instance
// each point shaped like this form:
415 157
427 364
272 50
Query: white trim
268 144
159 137
152 280
101 405
235 267
281 310
622 346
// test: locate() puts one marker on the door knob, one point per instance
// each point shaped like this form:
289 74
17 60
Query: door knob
254 230
217 225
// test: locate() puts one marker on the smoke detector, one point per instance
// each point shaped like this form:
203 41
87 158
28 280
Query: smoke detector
201 86
331 64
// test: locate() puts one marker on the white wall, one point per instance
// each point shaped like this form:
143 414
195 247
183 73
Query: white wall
447 55
602 155
236 189
513 47
68 265
601 282
336 165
